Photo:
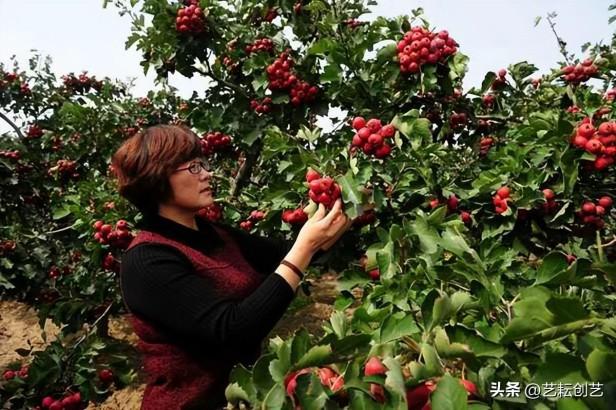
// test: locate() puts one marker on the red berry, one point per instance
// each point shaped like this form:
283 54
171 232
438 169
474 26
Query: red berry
388 131
374 366
452 203
97 225
606 128
588 208
586 130
105 375
503 192
605 202
56 405
375 274
466 217
359 123
374 124
502 72
364 133
47 401
8 374
548 194
470 387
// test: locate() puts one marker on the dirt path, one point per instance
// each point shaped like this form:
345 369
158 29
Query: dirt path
19 328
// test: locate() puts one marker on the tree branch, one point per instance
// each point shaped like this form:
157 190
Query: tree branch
12 124
209 73
245 171
561 43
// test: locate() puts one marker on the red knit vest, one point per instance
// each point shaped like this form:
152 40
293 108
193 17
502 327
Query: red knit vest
175 378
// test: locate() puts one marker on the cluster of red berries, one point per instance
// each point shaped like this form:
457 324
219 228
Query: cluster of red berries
550 205
281 77
484 145
254 217
13 78
34 132
610 95
294 216
110 263
452 206
500 200
575 74
457 121
262 44
573 109
600 141
212 213
303 92
190 19
370 136
592 214
262 107
327 376
7 246
374 367
55 272
10 154
353 23
119 238
230 63
421 46
270 15
81 84
11 374
368 217
70 401
500 81
214 142
65 168
323 190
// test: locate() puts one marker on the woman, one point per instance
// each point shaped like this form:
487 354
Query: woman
202 296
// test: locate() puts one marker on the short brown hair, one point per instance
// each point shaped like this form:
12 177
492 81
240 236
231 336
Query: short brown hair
144 162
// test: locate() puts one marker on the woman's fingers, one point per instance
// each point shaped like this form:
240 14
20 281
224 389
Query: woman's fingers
333 213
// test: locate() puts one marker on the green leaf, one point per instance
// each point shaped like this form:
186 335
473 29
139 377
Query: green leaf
396 326
234 393
553 265
560 368
275 398
601 366
60 213
431 360
316 356
449 395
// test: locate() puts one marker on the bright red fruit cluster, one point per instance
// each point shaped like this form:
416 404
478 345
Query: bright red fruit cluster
214 142
21 373
281 77
488 100
550 205
575 74
374 367
500 81
323 190
484 145
262 44
65 168
262 107
254 217
34 132
13 78
110 263
457 121
190 20
421 46
368 217
81 84
7 246
500 199
212 213
271 14
600 141
592 214
55 272
10 154
328 377
120 237
371 135
294 216
70 401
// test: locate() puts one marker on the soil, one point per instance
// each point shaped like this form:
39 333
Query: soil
19 329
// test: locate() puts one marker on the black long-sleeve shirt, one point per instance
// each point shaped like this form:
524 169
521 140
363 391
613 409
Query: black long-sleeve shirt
160 285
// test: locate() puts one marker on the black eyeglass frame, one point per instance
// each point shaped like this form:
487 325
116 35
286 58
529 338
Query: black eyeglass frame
196 166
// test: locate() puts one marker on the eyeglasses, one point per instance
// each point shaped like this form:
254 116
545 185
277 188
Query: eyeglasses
196 166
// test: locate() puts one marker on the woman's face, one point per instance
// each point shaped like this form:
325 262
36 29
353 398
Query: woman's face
190 186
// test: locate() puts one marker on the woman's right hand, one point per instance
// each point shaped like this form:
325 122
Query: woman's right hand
322 227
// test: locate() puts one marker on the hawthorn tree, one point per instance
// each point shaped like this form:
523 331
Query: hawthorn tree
483 244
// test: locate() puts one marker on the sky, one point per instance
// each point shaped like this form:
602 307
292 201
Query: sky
81 35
